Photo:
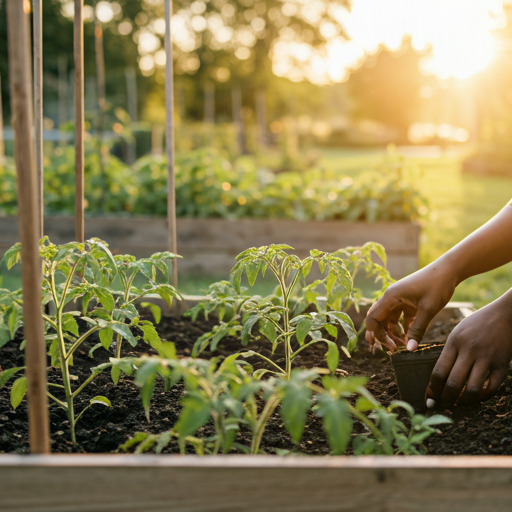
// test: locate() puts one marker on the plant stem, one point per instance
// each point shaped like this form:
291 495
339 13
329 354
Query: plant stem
75 393
119 341
281 371
80 340
269 408
372 427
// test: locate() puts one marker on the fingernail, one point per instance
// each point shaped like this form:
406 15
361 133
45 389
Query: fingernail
412 345
393 344
431 403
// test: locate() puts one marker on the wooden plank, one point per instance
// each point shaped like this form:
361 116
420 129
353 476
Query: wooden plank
78 50
121 483
209 246
29 222
169 141
38 104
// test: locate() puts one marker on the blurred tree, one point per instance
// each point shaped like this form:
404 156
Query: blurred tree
386 87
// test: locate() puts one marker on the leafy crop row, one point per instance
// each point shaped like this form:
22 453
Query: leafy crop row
207 185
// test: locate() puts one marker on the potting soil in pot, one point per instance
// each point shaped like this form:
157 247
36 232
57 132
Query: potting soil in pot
480 429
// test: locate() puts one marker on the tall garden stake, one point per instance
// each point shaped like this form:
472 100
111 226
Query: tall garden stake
21 100
79 120
169 138
38 104
2 147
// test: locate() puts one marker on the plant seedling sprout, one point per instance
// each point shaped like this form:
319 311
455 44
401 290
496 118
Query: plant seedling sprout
79 119
169 139
29 222
38 103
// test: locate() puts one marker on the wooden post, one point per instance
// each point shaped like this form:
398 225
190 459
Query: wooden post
236 107
169 139
63 94
79 119
261 114
38 104
131 93
209 102
21 100
2 147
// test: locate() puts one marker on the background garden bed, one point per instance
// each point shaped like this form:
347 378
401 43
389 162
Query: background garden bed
209 246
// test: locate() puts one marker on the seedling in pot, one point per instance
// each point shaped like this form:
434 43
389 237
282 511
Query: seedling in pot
85 270
282 316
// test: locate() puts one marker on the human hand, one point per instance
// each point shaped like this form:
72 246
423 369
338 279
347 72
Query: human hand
475 359
419 297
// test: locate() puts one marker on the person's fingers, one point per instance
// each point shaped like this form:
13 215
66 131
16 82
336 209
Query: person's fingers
370 339
399 342
417 329
440 375
474 387
496 379
378 313
456 381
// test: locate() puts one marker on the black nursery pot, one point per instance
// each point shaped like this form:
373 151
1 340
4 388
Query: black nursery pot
413 371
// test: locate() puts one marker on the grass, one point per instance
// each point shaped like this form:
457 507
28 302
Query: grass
459 204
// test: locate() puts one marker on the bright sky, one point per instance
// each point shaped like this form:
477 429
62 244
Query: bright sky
458 30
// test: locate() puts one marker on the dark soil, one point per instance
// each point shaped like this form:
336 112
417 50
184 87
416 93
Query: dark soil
480 429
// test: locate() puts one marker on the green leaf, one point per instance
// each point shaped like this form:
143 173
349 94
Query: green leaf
124 331
331 330
101 400
19 388
105 297
150 335
167 349
378 249
246 330
7 374
69 324
337 422
106 336
333 355
12 256
252 269
115 373
303 328
5 335
436 419
12 320
268 329
195 413
296 402
156 310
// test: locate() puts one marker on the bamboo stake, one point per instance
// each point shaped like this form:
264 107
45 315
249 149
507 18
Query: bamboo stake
38 104
63 95
21 99
2 147
169 139
79 119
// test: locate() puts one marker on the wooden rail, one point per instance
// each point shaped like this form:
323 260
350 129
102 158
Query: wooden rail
146 483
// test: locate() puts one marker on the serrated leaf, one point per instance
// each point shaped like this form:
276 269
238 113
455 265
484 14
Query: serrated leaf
303 328
195 413
156 310
379 250
268 329
12 320
246 330
106 336
296 402
331 330
436 419
333 355
115 373
18 391
12 256
124 331
105 297
252 269
150 335
337 422
7 374
69 324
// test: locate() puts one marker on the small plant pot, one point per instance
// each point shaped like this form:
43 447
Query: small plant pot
413 371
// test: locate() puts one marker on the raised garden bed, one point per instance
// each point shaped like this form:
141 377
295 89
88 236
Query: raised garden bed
209 246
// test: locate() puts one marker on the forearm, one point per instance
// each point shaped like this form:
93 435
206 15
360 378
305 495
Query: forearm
485 249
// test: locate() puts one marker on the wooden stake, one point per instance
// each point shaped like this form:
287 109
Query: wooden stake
79 119
63 95
38 104
2 147
21 100
169 138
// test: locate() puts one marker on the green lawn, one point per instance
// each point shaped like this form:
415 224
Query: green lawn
459 204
